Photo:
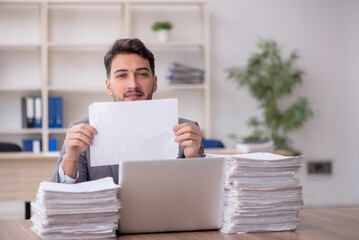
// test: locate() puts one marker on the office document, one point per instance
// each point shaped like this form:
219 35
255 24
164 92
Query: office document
261 193
138 130
73 211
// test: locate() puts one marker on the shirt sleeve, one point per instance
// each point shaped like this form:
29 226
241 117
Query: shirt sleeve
66 179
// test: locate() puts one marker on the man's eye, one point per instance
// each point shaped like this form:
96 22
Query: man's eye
121 76
143 74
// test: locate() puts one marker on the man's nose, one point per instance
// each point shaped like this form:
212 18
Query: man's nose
132 82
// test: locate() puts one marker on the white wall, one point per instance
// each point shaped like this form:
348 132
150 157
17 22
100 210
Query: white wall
326 35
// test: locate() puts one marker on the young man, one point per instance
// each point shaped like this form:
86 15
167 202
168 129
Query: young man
131 76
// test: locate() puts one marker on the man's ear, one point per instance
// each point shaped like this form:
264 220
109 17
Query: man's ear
108 87
154 84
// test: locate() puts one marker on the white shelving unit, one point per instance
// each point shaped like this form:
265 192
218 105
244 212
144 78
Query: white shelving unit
56 48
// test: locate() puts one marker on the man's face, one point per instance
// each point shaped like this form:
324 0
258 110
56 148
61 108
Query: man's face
131 78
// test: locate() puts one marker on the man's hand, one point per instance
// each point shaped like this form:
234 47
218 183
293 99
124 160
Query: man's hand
189 137
77 139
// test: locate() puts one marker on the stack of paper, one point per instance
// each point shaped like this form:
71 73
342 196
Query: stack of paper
261 193
73 211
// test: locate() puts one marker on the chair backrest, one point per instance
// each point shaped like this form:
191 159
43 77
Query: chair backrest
9 147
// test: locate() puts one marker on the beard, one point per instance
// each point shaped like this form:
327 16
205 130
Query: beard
116 98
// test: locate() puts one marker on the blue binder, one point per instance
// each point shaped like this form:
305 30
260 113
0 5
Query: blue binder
52 144
55 112
27 145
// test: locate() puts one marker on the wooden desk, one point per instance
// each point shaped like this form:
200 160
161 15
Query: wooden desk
328 224
21 174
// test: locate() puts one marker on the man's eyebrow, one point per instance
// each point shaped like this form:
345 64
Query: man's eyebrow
137 69
120 70
143 68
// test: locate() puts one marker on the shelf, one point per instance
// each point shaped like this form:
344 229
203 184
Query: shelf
175 44
83 22
182 86
102 89
171 3
57 130
78 89
20 25
28 155
19 89
105 46
62 55
21 131
32 131
20 46
78 46
90 2
14 2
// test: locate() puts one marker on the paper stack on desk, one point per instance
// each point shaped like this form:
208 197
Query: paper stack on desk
73 211
261 193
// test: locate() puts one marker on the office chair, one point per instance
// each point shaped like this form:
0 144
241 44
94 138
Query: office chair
9 147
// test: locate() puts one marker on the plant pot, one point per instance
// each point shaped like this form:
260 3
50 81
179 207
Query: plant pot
162 35
259 146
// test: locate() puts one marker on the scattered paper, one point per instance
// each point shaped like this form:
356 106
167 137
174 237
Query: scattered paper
138 130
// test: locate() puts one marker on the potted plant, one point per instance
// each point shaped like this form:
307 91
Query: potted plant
162 30
270 78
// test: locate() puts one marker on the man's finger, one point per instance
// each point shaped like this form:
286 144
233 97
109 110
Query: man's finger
188 129
188 136
81 137
188 143
86 129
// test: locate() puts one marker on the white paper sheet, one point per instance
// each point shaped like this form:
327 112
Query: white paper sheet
139 130
84 187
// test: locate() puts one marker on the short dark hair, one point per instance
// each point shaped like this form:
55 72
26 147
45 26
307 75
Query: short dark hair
128 46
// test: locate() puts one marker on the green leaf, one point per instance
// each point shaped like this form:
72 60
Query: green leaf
161 25
254 122
296 115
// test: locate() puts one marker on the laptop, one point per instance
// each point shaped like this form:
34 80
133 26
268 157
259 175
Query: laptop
171 195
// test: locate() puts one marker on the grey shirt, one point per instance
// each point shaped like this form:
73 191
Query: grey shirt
88 173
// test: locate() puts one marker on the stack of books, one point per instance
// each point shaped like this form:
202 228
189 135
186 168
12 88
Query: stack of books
74 211
183 74
261 193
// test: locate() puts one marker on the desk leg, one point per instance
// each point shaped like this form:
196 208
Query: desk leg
27 210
